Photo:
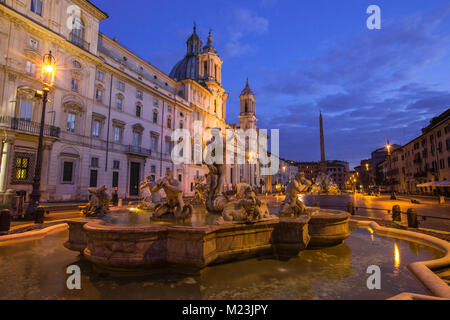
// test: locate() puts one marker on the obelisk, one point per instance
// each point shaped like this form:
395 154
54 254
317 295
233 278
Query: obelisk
323 162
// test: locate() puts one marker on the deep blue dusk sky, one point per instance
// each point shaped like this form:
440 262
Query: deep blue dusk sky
305 56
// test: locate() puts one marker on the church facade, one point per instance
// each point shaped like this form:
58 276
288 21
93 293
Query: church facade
111 114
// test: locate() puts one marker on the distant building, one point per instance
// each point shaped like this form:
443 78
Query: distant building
425 159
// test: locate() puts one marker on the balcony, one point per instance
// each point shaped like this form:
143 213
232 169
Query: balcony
79 41
138 151
31 127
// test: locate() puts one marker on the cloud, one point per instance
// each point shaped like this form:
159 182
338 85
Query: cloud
245 23
370 86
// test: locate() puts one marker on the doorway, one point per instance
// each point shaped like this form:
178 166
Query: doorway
135 170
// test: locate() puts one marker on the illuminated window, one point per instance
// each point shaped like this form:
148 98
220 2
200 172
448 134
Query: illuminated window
22 165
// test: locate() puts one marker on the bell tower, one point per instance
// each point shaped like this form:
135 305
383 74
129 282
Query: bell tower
209 63
247 116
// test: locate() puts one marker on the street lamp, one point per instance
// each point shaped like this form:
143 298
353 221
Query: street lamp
48 79
389 147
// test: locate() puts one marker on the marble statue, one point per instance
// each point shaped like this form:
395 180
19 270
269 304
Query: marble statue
324 184
292 205
242 206
247 209
200 191
174 208
153 199
98 204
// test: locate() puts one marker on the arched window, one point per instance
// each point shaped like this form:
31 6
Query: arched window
76 64
169 122
181 124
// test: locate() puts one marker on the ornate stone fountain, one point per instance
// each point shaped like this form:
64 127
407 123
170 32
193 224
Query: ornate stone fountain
324 184
244 228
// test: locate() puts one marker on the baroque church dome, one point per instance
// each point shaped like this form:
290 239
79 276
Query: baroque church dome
187 68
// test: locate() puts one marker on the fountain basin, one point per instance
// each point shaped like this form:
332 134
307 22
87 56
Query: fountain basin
120 248
328 228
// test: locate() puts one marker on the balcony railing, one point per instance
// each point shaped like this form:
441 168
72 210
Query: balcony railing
79 41
139 150
32 127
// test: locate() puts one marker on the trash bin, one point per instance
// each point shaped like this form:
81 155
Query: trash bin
5 221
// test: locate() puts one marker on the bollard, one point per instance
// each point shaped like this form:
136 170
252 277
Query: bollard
119 204
396 213
412 218
39 215
351 208
317 204
5 221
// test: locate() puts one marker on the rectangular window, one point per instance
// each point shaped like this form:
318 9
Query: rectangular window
155 117
30 68
137 139
100 75
138 111
22 165
119 103
117 135
153 169
154 143
74 85
93 179
71 122
115 179
155 102
99 95
36 7
168 146
94 162
121 86
116 164
96 125
139 94
442 164
26 110
67 172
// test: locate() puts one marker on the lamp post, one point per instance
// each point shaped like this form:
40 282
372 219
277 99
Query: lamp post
391 184
48 78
